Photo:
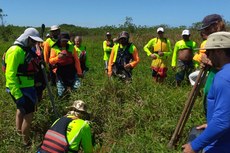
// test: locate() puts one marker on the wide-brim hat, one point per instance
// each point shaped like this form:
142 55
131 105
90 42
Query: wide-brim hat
79 106
54 27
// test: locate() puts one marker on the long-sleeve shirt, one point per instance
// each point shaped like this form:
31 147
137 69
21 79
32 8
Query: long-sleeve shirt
157 44
113 56
55 50
216 137
182 45
15 56
47 48
107 49
79 133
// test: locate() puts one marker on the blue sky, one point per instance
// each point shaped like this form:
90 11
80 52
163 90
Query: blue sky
96 13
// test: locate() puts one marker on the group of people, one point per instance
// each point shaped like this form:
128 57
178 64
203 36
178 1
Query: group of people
67 62
121 56
214 53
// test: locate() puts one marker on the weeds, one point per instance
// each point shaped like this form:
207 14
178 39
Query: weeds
135 117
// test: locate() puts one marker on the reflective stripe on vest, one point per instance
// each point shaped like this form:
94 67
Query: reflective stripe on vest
54 141
55 138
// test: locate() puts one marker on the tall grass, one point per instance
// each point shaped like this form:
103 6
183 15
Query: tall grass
135 117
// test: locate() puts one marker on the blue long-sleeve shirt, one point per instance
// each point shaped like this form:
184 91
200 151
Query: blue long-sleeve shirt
216 137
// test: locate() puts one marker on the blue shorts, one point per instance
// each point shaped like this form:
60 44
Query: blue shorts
30 100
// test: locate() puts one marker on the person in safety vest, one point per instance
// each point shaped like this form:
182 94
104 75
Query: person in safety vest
216 135
82 53
124 57
182 59
69 133
159 49
50 41
210 24
19 73
107 47
68 68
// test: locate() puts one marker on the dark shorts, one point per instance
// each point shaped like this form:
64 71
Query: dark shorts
30 100
29 106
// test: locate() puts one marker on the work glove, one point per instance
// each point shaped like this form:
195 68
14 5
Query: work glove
20 102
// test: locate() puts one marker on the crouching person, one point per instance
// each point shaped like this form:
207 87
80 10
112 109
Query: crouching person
124 57
68 68
69 133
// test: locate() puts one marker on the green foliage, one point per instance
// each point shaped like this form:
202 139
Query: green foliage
128 24
135 117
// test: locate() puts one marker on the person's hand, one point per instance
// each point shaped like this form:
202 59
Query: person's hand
127 66
80 75
153 56
187 148
109 44
160 53
109 75
61 56
203 126
205 60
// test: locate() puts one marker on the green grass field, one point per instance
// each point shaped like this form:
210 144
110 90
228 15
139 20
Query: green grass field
136 117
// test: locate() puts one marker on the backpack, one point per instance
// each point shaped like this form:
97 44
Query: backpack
123 57
28 68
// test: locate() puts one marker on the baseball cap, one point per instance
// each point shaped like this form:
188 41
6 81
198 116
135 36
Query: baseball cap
33 33
54 27
160 29
218 40
64 36
185 32
209 20
47 35
124 34
108 33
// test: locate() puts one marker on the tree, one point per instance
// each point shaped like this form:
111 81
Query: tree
128 24
2 15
